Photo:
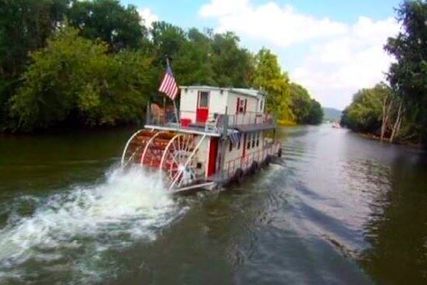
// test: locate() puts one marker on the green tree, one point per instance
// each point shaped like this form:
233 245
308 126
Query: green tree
193 62
270 78
74 80
365 113
24 27
300 103
233 66
408 76
315 116
108 21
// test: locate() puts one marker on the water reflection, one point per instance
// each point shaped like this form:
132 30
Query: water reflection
397 226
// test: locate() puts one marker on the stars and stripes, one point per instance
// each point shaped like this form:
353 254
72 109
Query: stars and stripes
169 86
234 137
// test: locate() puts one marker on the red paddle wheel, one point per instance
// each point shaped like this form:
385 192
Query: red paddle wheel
170 152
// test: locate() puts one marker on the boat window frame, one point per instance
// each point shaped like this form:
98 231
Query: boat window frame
200 101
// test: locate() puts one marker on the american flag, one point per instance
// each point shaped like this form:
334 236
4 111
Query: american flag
168 85
234 137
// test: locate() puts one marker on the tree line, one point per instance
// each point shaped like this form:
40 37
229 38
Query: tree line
92 63
396 111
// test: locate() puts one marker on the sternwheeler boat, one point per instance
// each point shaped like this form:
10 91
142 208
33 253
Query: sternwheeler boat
216 136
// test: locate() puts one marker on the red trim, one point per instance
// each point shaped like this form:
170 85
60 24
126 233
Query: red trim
213 152
202 113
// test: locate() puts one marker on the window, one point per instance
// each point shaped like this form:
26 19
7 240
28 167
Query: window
230 146
241 105
260 105
203 99
249 136
238 144
257 139
253 139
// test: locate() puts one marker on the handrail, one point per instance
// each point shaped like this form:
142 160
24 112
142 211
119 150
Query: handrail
245 161
234 120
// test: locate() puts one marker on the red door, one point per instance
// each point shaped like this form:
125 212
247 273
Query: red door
202 107
213 152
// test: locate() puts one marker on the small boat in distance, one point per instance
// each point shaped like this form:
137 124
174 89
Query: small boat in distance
217 136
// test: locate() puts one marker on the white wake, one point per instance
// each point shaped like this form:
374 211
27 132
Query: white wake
129 206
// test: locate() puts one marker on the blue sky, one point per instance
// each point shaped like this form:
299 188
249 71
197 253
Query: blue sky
331 47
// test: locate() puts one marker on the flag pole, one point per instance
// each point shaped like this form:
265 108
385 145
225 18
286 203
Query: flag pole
173 101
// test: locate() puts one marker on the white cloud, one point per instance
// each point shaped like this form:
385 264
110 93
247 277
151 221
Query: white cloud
282 26
340 58
333 70
148 17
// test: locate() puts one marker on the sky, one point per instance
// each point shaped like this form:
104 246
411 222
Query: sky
331 47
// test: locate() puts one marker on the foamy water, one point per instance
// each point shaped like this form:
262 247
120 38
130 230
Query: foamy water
70 230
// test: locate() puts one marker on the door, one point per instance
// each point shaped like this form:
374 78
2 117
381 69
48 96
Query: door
213 152
202 107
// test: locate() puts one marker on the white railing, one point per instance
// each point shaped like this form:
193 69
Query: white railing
187 119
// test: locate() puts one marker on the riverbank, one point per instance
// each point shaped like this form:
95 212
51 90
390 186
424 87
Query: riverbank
397 142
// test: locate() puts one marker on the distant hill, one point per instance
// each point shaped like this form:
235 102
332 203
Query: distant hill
331 114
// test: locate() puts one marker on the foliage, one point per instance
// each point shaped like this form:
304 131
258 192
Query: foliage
24 26
315 115
364 114
270 78
305 109
92 62
408 76
233 66
108 21
73 79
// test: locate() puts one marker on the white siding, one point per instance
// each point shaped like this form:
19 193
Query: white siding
188 104
217 102
234 159
202 155
220 101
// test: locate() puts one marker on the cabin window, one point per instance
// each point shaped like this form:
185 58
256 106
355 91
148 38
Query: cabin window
257 139
249 137
241 105
238 144
230 146
254 139
260 105
203 99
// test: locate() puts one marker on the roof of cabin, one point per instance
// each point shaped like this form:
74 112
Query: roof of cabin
243 91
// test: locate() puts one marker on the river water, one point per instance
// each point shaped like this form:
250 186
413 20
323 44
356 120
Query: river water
337 209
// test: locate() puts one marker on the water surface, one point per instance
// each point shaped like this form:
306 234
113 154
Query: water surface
337 209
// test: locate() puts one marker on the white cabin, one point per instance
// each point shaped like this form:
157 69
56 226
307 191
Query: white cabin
200 104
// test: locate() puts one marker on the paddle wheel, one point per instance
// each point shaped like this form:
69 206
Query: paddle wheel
172 153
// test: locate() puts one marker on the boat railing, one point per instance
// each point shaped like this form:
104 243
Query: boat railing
250 118
213 122
246 161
